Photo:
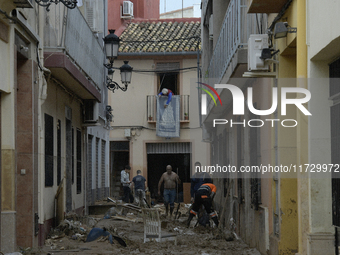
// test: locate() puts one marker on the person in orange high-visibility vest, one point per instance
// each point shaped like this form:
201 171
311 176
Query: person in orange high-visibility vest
204 196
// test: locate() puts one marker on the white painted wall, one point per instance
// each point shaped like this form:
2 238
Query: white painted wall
54 105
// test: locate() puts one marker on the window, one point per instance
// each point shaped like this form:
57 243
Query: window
73 156
59 152
48 150
168 77
334 89
78 161
255 181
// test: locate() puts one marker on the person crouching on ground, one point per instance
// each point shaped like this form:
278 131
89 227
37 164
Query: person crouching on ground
204 196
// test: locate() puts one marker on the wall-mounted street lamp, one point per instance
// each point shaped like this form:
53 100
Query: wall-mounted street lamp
71 4
111 42
281 29
125 72
111 48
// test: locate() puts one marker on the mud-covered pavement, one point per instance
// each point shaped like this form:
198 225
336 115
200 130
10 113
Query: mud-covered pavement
70 237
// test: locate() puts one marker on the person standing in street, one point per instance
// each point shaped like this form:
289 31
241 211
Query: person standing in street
125 180
169 178
138 182
198 179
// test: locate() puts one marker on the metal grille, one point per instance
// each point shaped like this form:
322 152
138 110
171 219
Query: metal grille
235 31
89 171
239 162
68 172
59 152
335 157
255 181
334 88
167 66
48 150
103 167
78 161
72 155
184 114
97 167
168 148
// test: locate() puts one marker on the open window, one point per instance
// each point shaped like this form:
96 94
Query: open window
168 77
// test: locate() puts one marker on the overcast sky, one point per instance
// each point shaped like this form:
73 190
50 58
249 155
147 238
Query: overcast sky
172 5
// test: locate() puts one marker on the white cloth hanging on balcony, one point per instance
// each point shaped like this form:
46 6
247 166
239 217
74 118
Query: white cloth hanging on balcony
168 121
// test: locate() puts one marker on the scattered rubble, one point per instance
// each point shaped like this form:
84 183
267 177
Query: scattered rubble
124 223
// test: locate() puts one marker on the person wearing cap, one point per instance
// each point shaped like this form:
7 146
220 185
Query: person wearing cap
166 92
204 196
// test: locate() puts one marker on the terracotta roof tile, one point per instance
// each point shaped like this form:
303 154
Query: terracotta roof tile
161 36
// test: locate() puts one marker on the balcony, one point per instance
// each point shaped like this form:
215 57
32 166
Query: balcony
265 6
236 28
73 53
151 104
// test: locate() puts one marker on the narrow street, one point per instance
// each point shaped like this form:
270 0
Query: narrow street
70 237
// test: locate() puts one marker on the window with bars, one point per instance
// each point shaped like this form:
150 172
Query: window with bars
59 152
78 161
255 180
334 89
73 155
49 150
240 160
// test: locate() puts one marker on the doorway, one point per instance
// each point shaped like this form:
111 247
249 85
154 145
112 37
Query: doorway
157 163
119 158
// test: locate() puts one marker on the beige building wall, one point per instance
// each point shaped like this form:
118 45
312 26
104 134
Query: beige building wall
130 111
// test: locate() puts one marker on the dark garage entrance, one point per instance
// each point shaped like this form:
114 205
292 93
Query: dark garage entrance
159 155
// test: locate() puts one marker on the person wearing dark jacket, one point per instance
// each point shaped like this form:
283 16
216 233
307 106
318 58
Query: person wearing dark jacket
204 196
197 180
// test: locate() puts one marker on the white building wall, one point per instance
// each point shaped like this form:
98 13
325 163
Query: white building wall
57 100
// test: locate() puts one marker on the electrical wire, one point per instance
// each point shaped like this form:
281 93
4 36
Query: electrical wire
160 71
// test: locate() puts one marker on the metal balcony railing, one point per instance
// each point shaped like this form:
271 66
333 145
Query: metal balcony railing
66 30
236 28
152 108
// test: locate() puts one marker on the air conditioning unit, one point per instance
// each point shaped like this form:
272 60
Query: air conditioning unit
256 44
211 27
91 111
127 8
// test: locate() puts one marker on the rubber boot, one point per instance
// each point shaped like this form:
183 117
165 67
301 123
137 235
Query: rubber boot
189 219
215 220
171 211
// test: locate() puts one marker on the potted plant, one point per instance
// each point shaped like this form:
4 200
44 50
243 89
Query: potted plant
150 118
186 116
